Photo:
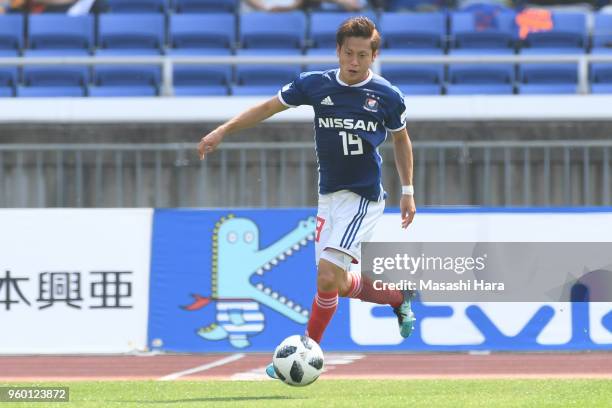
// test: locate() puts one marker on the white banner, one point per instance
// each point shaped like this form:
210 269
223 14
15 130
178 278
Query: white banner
74 281
512 319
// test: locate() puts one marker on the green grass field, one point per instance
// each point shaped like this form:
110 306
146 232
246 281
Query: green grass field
335 393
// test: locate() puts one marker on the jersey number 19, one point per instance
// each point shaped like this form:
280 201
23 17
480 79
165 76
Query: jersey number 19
352 140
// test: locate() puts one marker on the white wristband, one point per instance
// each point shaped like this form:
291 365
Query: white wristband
408 190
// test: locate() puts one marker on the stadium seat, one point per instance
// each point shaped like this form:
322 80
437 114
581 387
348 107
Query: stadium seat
479 89
263 79
50 91
126 81
414 33
8 79
202 31
484 79
414 5
497 34
601 72
548 78
415 79
328 52
205 6
269 34
261 30
601 88
59 34
121 91
136 6
47 81
201 80
602 31
11 34
569 32
210 79
131 34
420 89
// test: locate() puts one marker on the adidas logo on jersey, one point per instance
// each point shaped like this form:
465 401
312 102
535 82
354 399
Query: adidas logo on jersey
327 101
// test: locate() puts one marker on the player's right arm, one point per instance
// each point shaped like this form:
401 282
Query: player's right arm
246 119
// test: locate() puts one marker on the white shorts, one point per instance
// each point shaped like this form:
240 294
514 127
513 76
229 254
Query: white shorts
344 221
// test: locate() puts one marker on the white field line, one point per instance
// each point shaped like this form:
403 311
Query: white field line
204 367
331 360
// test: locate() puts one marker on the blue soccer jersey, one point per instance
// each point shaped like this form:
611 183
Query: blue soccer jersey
351 121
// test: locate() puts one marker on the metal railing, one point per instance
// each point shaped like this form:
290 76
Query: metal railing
167 62
526 173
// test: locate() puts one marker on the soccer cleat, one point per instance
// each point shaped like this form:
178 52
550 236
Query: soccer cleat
271 372
405 317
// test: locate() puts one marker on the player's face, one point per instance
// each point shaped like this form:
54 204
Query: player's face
355 57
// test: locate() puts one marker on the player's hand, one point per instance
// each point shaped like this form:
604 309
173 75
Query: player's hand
408 209
209 143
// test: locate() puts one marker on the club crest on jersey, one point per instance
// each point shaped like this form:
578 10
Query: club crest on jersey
371 105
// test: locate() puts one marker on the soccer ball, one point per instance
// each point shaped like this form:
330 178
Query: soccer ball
298 360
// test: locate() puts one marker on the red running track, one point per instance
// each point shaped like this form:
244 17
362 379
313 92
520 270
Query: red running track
350 365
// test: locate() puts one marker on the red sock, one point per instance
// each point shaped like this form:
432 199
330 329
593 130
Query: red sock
323 308
363 288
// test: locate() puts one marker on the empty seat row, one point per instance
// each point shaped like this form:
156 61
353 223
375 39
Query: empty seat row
142 80
266 80
79 81
498 79
163 6
415 33
215 6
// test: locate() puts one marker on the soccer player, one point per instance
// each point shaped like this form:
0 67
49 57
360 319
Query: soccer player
354 109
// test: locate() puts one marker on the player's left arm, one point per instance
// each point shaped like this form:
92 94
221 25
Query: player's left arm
402 150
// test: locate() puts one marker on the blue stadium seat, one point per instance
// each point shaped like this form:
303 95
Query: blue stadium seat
414 33
8 79
601 88
329 52
255 90
59 34
201 80
131 34
602 31
121 91
569 33
601 72
202 31
126 81
11 34
420 89
50 92
475 89
414 5
485 79
47 81
136 6
211 79
263 79
559 78
261 30
205 6
269 34
415 79
497 33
